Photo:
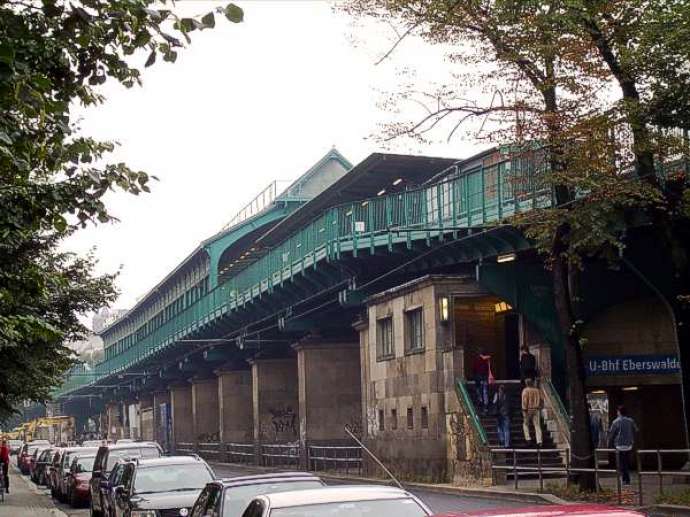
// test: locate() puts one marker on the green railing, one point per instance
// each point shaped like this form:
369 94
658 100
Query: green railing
467 403
561 413
469 198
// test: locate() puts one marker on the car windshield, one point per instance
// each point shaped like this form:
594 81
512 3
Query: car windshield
85 463
237 498
380 508
134 452
170 478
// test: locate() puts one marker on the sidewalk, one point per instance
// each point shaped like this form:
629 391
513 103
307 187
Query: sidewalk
25 501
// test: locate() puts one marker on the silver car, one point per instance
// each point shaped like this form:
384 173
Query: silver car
350 501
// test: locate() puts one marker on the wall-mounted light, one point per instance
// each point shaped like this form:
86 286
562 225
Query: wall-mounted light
502 307
631 388
381 192
397 182
443 309
365 203
509 257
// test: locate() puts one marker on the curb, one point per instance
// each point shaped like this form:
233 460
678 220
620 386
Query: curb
480 493
665 509
56 512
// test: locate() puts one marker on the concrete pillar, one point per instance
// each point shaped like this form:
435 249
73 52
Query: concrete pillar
330 391
162 428
146 417
275 400
235 406
205 411
114 420
181 413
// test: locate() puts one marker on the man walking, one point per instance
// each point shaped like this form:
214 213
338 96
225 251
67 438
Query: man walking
502 407
531 406
5 459
528 365
622 438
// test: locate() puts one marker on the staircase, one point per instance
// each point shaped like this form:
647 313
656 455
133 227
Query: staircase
517 440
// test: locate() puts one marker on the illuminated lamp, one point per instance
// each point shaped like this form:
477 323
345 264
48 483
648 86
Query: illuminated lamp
509 257
443 309
502 307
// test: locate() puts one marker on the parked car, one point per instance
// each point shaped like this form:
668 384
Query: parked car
92 443
109 486
25 454
40 461
350 501
76 483
579 510
15 446
106 458
60 473
51 470
229 497
161 486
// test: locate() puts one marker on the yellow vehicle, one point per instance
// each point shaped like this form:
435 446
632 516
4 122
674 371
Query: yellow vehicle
55 429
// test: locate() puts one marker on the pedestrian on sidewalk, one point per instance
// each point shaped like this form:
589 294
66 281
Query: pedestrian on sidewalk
503 410
481 369
531 412
5 459
622 438
596 426
528 365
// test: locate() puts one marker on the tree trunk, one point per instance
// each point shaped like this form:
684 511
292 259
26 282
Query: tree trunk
565 276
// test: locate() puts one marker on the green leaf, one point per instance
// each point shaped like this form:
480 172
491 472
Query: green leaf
209 20
151 59
59 223
234 13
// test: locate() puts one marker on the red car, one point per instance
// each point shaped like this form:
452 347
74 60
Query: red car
26 452
77 480
580 510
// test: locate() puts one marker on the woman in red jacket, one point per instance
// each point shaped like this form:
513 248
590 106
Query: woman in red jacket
5 459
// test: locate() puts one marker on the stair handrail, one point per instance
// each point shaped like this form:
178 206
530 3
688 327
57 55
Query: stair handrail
469 406
558 407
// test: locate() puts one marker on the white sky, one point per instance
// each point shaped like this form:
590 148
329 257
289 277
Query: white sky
244 105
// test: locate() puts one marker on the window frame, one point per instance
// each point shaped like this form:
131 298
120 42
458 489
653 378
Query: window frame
410 333
410 419
384 326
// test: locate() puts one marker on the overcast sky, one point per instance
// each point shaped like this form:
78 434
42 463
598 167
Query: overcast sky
244 105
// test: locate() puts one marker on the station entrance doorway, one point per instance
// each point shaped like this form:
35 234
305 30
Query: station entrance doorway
488 325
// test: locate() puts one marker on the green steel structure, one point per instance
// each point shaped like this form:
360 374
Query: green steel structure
469 196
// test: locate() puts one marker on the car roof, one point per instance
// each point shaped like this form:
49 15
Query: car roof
335 495
131 445
581 510
169 460
282 476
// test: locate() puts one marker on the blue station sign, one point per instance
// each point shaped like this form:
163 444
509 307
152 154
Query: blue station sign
632 365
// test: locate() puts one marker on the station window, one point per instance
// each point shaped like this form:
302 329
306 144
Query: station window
382 425
394 419
425 418
384 337
410 418
414 322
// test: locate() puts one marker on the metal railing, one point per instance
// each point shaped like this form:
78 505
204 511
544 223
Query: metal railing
280 455
557 406
335 458
240 452
513 466
210 450
465 398
185 448
659 472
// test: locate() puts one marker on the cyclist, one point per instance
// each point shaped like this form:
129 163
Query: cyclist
5 459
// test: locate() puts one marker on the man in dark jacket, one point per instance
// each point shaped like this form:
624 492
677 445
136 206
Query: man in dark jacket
480 371
622 438
528 365
502 407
